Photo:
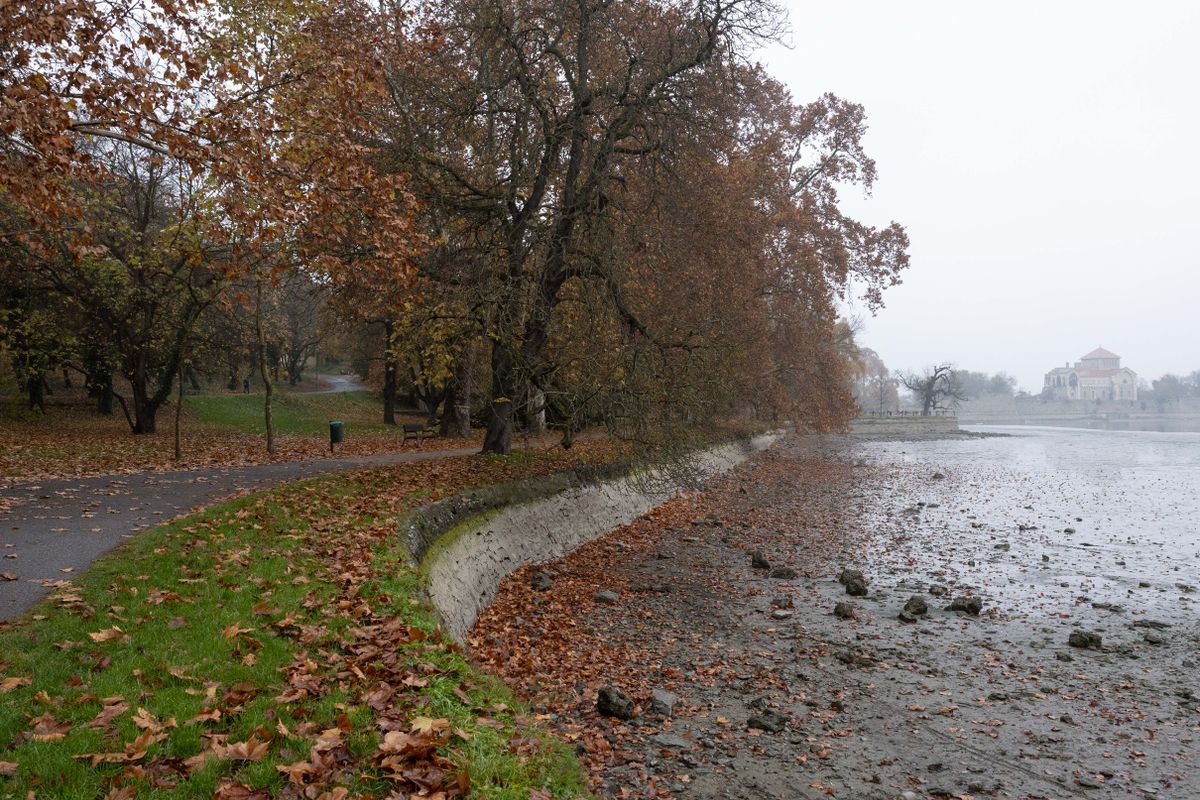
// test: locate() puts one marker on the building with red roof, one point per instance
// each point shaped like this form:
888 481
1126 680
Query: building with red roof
1097 376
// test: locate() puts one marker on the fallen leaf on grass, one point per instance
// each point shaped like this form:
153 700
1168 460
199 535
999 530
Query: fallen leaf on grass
109 712
239 791
430 726
298 772
250 750
8 684
7 768
47 729
235 630
109 634
211 715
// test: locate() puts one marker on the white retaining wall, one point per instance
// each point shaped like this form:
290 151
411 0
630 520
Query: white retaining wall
464 573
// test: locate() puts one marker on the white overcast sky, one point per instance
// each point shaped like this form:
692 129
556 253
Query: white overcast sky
1045 159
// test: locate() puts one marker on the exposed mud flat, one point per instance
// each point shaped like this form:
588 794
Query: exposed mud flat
1055 534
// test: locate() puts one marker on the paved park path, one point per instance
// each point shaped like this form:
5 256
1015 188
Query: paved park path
55 528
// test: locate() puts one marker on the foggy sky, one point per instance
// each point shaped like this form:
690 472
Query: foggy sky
1045 159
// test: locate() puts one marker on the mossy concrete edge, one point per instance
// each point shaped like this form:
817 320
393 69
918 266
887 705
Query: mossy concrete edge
467 544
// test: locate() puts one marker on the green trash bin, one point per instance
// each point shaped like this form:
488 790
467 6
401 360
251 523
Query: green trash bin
336 433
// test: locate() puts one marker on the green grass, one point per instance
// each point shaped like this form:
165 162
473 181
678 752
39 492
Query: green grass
297 413
176 589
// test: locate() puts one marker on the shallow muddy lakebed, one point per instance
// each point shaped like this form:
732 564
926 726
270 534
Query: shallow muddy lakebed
1068 667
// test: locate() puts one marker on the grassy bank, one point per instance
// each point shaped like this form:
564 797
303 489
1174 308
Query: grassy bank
274 645
217 429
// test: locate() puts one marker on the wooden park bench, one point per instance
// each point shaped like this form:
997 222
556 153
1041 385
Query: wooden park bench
418 432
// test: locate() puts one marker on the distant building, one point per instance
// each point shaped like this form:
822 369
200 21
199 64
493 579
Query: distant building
1097 376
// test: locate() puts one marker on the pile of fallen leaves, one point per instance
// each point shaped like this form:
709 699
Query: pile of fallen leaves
315 671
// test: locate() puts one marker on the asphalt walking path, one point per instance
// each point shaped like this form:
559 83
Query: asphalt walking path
55 528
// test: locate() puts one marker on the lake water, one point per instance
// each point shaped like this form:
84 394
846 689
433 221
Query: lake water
1064 511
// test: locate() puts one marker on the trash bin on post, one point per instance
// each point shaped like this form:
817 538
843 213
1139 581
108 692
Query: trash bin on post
335 433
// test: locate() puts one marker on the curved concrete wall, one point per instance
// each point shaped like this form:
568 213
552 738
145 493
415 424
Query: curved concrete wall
464 569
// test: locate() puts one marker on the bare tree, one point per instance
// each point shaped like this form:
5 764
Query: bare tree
935 387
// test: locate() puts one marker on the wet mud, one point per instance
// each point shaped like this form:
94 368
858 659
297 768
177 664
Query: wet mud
1069 668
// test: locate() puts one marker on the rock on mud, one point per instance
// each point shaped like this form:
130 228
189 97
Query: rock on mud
614 702
967 605
845 611
759 561
541 581
769 721
1085 640
915 607
608 598
783 573
855 583
663 702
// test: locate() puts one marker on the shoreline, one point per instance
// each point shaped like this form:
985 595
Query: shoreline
864 705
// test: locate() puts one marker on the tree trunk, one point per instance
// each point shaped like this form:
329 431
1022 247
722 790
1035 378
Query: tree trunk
535 415
456 415
104 394
145 413
36 387
500 412
264 370
178 416
389 377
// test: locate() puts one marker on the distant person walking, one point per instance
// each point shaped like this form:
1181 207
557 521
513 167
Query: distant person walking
245 386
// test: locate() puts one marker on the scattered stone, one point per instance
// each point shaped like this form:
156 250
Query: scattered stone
782 602
1151 623
938 591
968 605
937 476
671 741
855 583
663 702
915 607
1186 588
1085 640
781 613
1064 656
1155 638
759 561
1045 557
1143 584
1002 546
783 573
854 658
614 702
769 721
541 581
1068 530
844 611
609 598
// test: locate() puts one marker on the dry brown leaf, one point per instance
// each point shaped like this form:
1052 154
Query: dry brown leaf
47 729
109 634
8 684
253 749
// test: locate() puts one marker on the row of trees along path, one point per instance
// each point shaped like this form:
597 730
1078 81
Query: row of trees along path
585 212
